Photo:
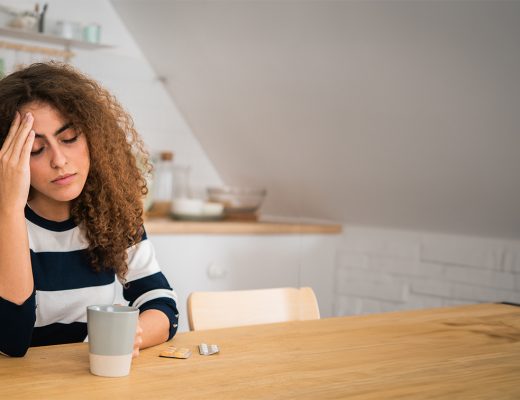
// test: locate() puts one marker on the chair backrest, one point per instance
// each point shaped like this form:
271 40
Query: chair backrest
211 310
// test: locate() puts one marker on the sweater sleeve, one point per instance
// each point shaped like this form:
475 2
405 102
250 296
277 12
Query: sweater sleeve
17 326
146 287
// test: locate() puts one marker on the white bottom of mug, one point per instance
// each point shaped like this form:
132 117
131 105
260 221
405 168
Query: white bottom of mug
111 366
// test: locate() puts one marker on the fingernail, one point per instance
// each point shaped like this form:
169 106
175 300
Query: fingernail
28 115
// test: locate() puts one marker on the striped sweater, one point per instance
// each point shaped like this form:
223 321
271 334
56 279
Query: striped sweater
65 284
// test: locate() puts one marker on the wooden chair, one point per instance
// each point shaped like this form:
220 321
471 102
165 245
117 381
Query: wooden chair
212 310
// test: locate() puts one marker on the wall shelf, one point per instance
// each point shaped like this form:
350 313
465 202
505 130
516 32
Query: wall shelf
66 54
165 226
51 39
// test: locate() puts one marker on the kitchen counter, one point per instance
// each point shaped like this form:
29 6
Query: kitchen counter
239 255
264 226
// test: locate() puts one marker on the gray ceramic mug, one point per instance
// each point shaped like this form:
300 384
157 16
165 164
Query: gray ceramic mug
111 337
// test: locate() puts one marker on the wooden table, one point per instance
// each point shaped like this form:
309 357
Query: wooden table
468 352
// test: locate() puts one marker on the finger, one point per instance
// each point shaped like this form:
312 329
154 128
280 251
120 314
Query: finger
137 346
25 157
23 131
138 329
16 146
12 131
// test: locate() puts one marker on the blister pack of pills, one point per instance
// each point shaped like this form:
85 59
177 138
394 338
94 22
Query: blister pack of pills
208 349
174 352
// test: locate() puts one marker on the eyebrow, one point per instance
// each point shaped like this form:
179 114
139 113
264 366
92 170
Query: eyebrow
60 130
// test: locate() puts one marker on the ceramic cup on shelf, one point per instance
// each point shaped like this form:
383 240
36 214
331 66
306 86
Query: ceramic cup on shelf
68 30
111 336
92 33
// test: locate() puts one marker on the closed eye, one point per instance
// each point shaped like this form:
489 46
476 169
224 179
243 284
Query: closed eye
71 140
36 152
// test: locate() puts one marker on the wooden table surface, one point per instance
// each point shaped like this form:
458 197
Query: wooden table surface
468 352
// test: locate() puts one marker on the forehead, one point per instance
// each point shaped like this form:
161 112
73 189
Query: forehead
46 117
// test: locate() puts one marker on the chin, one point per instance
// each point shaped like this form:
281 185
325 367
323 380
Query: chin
66 195
72 196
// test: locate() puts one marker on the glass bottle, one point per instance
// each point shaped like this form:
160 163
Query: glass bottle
181 178
163 184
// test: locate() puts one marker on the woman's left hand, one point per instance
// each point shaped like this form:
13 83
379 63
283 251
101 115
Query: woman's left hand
138 340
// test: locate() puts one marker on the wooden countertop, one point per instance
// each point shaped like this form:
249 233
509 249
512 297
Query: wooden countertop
163 226
467 352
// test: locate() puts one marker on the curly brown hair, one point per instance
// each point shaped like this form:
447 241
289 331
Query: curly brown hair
109 209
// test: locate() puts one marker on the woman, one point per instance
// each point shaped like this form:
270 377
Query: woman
71 212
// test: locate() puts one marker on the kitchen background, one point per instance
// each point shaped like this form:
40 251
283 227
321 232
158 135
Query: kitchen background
398 120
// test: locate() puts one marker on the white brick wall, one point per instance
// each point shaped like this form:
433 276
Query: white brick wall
381 270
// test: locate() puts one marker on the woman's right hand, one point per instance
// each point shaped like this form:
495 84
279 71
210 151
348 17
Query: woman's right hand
15 176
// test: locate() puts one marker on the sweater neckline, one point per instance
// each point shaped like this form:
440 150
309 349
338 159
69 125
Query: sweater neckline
56 226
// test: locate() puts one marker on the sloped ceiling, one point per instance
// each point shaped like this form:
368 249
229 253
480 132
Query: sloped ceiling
398 114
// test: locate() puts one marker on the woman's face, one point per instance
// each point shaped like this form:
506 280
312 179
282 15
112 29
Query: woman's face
60 159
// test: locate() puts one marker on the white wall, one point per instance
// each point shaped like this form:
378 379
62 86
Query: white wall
382 270
402 114
125 72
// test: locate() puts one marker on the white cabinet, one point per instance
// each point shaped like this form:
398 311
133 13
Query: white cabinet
232 262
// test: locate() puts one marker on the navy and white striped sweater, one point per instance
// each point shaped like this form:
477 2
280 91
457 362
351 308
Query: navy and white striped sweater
65 285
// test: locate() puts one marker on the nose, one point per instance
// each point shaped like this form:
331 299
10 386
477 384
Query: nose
58 159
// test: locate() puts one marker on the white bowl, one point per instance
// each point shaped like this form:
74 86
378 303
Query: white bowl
196 208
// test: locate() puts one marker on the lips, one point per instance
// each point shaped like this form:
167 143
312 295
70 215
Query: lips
64 179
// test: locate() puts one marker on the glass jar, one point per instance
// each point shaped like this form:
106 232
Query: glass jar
162 185
181 178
